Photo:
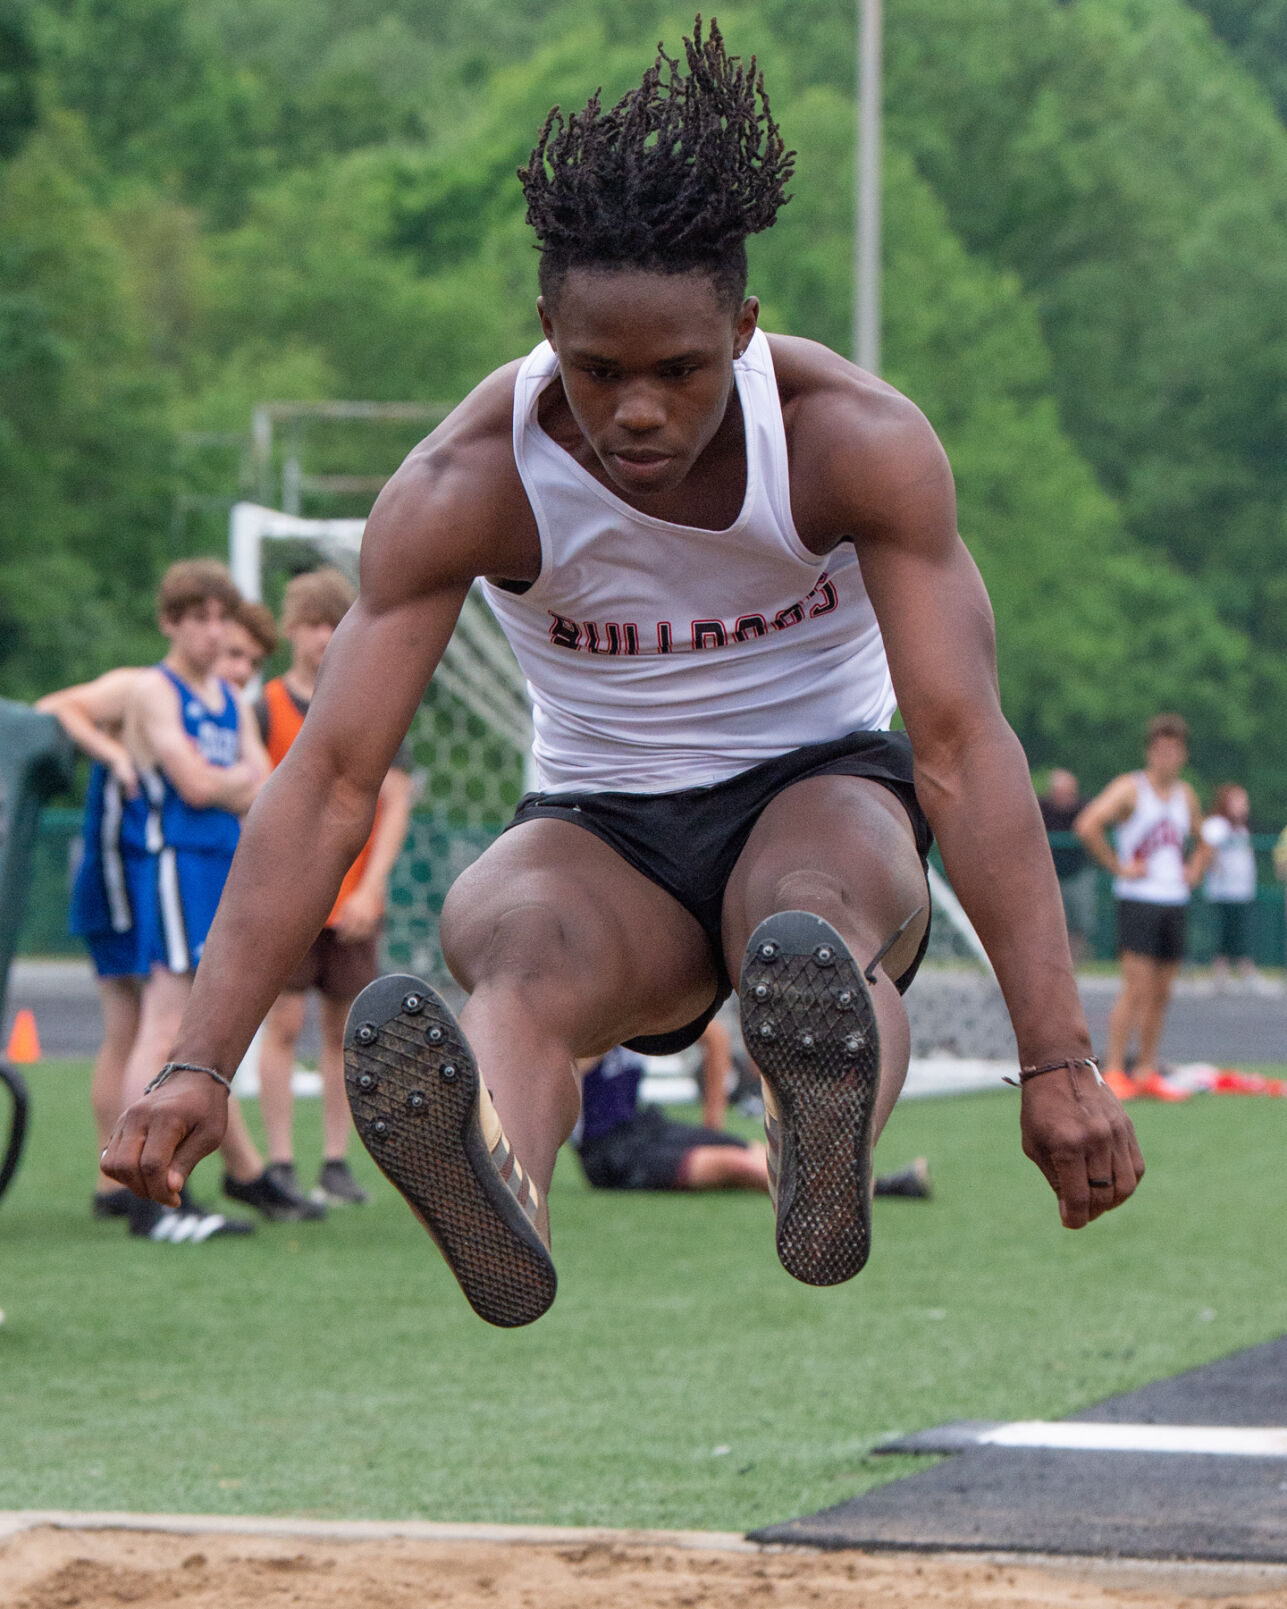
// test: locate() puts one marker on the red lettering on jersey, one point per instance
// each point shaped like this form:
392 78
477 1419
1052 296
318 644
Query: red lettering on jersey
709 634
665 639
564 633
829 600
749 626
1162 835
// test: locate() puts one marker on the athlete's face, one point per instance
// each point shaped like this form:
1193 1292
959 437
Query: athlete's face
241 657
1238 807
1167 757
308 642
647 367
198 635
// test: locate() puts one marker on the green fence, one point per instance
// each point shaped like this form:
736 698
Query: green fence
437 852
44 932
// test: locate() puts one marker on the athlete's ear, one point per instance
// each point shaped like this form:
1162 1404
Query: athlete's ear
747 321
543 313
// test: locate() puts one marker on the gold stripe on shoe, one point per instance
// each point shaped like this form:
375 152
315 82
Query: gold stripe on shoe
420 1107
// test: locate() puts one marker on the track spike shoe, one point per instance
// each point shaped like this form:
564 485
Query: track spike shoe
808 1022
423 1112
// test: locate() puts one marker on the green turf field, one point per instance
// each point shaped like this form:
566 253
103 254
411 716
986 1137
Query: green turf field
681 1378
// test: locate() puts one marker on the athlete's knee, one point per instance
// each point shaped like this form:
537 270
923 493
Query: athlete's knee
824 894
808 889
529 942
285 1020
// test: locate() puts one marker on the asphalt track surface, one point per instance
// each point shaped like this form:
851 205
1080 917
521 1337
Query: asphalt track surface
63 996
1231 1030
1153 1505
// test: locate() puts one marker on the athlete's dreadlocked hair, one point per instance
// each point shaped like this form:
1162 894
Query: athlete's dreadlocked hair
672 179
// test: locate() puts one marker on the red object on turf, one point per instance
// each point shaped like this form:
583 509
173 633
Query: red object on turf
1229 1082
1157 1089
1120 1085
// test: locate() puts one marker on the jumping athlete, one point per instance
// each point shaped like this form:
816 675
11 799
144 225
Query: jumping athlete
718 556
1155 813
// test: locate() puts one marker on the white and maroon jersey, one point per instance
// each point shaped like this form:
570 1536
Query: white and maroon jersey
1155 831
663 656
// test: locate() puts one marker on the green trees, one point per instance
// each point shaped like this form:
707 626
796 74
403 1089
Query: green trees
1256 32
84 448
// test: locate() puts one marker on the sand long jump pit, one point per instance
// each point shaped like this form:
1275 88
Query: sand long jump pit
154 1562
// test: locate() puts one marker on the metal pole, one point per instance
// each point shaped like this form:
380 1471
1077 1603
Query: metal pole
866 295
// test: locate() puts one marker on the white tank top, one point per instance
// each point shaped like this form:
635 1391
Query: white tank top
663 656
1232 877
1155 829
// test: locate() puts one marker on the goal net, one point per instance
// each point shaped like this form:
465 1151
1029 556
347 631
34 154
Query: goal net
469 745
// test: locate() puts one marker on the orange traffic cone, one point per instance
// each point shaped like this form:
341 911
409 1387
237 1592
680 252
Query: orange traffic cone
24 1041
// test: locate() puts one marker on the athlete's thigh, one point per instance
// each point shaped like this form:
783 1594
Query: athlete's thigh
550 906
839 846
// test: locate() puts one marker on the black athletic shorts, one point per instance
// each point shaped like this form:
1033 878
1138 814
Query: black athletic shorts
688 841
647 1152
1155 931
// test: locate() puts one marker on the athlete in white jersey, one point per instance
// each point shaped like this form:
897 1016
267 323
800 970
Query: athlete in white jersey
1155 814
703 544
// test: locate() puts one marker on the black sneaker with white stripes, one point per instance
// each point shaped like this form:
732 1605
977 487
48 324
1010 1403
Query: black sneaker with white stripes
111 1203
185 1225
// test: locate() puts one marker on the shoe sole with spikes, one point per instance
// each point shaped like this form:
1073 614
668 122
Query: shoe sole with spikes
809 1025
421 1110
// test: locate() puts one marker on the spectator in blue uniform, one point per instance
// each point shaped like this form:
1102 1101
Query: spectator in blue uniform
199 762
102 913
102 908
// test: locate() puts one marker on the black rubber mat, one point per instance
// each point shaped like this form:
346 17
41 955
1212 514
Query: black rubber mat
1114 1504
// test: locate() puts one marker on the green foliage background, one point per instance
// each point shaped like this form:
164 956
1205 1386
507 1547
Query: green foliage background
207 205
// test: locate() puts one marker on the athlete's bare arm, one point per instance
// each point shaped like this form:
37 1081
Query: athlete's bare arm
866 465
1106 810
359 916
251 744
93 715
155 736
455 510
